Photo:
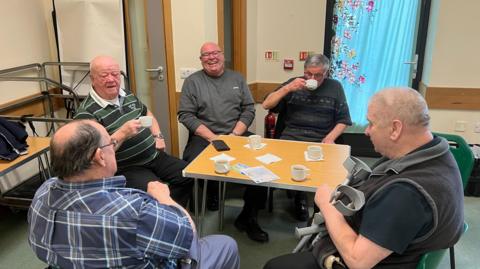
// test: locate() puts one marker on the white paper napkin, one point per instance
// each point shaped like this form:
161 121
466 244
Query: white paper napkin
222 156
268 158
308 159
260 174
262 145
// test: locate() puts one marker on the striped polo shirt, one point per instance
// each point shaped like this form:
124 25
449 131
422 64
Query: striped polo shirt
137 150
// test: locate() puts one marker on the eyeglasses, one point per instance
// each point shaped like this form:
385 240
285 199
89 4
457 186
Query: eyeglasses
114 74
215 53
309 75
113 142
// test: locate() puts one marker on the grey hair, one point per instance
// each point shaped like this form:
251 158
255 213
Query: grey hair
72 157
405 104
317 60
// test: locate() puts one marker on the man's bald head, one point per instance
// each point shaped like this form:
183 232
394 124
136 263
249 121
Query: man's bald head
105 77
404 104
73 146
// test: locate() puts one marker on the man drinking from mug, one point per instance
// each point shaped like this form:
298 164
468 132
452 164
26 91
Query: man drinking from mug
311 108
139 152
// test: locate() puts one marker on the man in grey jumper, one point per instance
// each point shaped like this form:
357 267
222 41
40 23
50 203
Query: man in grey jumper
217 101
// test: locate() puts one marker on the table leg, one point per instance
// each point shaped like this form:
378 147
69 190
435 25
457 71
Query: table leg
42 168
221 197
204 195
195 199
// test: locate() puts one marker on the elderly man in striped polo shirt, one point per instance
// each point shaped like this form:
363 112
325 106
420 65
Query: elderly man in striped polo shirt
139 153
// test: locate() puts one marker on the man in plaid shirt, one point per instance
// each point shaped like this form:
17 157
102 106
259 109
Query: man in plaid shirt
86 218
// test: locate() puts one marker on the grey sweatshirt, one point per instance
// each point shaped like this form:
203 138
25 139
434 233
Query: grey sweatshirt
216 102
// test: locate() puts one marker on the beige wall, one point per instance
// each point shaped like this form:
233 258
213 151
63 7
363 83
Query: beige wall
452 60
194 22
26 39
455 56
284 26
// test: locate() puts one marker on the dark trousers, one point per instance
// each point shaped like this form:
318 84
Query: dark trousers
301 260
254 196
164 168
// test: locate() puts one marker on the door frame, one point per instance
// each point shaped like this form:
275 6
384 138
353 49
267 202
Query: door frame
239 33
170 67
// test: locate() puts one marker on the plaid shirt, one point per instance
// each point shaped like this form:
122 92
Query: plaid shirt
102 224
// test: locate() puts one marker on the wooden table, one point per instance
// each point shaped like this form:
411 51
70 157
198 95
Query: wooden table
37 146
329 171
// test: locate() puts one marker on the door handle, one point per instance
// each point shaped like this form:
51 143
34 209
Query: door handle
414 63
158 69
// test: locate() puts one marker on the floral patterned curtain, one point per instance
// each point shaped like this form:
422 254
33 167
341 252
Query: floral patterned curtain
373 40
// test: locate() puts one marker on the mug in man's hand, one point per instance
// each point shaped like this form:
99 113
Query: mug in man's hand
311 84
146 121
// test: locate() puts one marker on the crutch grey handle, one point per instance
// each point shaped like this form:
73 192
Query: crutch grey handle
299 232
356 197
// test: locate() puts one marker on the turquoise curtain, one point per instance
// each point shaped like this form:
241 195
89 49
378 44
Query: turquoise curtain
372 42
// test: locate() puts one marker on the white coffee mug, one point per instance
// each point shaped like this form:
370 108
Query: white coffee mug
299 172
222 166
146 121
314 152
311 84
255 141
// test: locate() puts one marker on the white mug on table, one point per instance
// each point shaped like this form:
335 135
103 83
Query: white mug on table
222 166
314 152
299 172
255 141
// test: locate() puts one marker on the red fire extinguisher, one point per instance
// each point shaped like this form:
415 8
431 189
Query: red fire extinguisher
270 125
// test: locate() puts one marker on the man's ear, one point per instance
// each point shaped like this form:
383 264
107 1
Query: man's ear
99 158
396 130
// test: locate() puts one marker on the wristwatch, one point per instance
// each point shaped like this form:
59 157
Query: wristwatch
159 136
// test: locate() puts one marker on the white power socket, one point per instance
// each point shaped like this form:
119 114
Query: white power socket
476 127
185 72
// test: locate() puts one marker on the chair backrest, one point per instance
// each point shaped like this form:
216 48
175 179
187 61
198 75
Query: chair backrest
432 259
462 153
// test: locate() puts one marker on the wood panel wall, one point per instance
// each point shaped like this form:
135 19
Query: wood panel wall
455 98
